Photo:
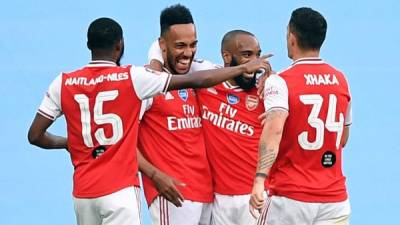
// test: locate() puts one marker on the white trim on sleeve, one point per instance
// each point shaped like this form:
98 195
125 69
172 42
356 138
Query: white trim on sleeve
148 83
276 93
349 114
51 103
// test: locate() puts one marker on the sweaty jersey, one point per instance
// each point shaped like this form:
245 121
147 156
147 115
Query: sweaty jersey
309 163
232 131
171 138
101 103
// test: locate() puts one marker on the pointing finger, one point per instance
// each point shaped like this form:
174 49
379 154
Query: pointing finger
269 55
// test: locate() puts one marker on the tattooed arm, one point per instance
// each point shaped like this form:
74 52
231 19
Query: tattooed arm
270 140
267 152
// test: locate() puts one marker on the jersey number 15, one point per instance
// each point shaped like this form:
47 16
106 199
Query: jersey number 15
99 118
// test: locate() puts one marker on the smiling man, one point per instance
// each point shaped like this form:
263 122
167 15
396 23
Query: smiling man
101 103
230 112
171 137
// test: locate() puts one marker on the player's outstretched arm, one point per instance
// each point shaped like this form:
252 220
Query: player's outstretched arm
208 78
39 136
165 184
267 152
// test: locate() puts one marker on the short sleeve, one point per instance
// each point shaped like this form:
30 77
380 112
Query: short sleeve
148 83
51 103
155 52
349 115
275 93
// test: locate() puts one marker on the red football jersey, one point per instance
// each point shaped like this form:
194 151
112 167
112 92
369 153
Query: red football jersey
101 103
309 164
171 138
232 131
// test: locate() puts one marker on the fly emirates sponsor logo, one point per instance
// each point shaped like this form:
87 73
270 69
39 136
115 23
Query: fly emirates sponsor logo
226 119
99 79
190 121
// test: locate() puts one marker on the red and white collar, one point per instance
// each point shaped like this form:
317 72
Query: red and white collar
229 86
101 63
308 60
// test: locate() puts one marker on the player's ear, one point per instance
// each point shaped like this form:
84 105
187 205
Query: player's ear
163 44
227 57
292 40
120 45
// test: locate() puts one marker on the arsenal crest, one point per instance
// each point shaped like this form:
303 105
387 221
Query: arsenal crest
251 102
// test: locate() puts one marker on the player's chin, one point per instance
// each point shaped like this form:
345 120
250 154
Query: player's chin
182 70
183 67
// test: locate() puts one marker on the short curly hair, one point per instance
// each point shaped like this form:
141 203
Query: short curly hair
175 14
103 33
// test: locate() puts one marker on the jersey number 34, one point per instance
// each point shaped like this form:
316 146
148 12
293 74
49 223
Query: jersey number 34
331 125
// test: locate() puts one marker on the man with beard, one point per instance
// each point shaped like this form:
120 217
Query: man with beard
171 138
230 112
101 103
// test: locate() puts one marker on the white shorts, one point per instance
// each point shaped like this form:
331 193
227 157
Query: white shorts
232 210
163 212
285 211
119 208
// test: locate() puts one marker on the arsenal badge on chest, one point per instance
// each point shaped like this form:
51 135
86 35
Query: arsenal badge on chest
251 102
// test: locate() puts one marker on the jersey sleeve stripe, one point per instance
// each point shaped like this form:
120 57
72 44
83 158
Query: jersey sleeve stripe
46 115
277 108
167 83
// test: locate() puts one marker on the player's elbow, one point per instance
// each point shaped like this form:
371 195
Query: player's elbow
344 143
33 138
275 130
276 134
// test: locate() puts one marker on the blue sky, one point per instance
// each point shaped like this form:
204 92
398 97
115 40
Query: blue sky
40 39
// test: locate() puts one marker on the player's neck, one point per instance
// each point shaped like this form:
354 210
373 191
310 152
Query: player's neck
232 82
103 59
100 55
305 54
